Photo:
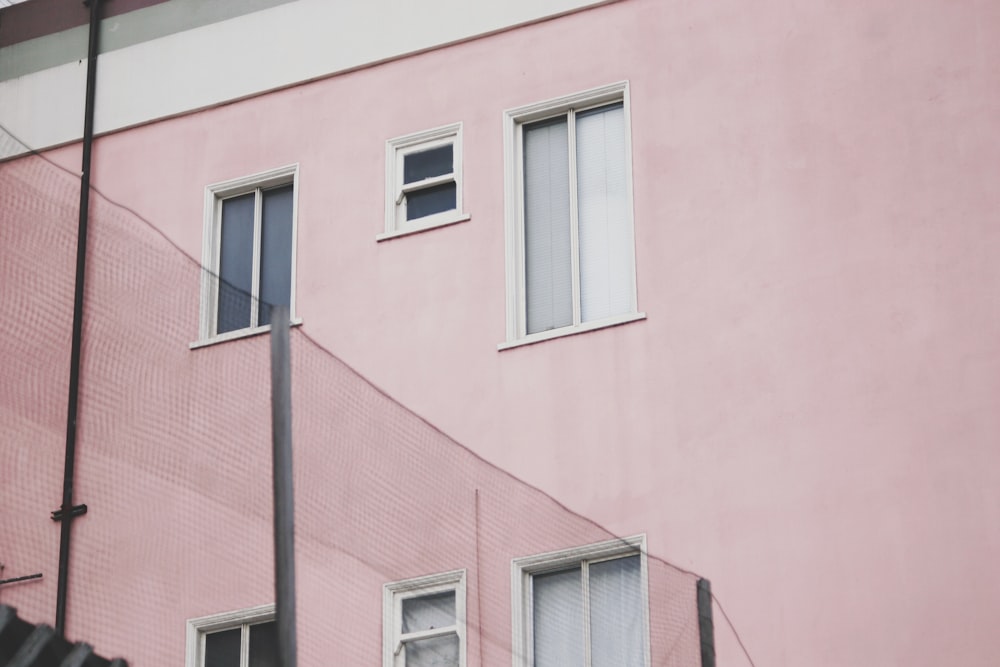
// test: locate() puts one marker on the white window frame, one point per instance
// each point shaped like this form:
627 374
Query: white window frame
513 123
198 628
392 613
396 150
212 246
523 569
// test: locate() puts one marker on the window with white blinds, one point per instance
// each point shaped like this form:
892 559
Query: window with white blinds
582 607
589 615
570 249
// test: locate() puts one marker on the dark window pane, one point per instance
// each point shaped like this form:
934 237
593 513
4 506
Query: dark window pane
425 164
435 652
430 201
275 251
429 611
235 263
264 645
222 649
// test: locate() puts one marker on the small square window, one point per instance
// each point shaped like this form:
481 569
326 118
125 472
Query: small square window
583 607
423 181
570 249
249 252
423 621
244 638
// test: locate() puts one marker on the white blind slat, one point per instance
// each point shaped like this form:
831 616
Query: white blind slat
605 242
547 258
616 618
558 619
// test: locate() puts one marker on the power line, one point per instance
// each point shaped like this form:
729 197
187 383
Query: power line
302 334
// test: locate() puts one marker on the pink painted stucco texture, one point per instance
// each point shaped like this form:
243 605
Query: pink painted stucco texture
808 416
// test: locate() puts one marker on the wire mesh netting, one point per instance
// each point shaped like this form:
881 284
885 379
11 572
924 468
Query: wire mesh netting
174 463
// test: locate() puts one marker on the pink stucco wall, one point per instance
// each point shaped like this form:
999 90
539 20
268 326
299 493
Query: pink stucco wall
173 461
808 416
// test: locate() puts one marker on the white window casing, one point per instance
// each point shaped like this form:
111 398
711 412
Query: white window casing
568 215
199 628
429 590
215 196
399 193
568 624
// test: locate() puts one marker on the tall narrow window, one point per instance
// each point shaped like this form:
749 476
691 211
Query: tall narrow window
250 233
570 247
424 621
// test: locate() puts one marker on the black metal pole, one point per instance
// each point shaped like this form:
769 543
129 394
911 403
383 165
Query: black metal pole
66 513
284 504
14 580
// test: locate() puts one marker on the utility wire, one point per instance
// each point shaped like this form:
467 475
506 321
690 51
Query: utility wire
319 346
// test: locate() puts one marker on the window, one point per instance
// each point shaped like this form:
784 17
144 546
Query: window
582 607
423 623
245 638
423 176
570 252
249 252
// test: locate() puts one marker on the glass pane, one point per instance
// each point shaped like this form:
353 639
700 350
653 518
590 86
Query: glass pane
430 200
275 251
602 205
435 652
425 164
429 611
235 263
222 649
558 619
547 264
264 645
616 617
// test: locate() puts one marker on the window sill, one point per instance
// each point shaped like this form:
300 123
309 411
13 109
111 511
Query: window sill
572 330
238 334
424 226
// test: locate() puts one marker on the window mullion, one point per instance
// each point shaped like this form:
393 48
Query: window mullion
258 211
430 182
245 645
574 222
521 264
585 574
419 635
528 610
397 628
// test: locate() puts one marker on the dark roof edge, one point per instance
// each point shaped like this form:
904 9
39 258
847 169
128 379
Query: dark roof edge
37 18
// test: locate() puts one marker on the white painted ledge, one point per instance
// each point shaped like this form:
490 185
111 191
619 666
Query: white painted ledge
416 229
572 330
239 333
